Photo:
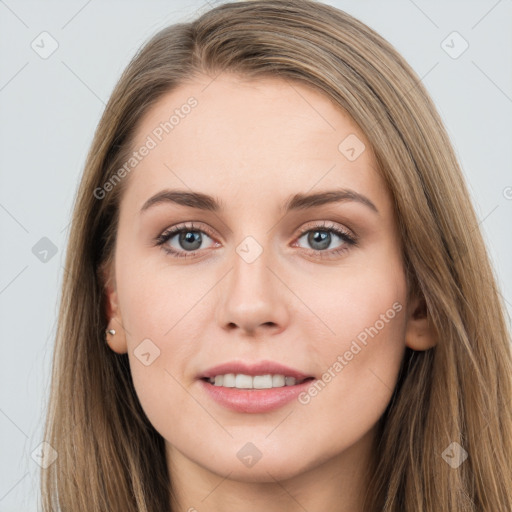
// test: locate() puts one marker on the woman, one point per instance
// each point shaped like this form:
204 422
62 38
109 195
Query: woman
276 294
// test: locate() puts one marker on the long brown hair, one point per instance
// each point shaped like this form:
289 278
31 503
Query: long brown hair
109 455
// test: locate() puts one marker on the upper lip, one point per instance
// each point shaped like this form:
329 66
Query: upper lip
259 368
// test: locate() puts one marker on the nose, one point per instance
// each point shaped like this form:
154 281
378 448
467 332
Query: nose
253 299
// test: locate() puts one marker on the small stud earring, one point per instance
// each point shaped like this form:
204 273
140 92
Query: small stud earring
109 331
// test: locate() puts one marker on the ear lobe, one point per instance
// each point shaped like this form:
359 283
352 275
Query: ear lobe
117 341
419 333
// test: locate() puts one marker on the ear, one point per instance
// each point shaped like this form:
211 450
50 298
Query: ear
419 332
117 341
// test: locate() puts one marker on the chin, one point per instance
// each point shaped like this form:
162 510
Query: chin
268 469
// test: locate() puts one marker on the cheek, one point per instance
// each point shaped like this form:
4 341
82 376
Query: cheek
162 315
155 296
364 302
361 358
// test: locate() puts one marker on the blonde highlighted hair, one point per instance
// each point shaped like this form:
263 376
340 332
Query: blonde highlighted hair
109 455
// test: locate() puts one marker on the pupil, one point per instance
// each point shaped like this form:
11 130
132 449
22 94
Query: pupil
324 239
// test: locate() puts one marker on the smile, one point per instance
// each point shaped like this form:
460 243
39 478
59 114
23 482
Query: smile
242 381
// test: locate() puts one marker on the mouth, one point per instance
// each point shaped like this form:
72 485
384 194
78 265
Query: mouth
253 387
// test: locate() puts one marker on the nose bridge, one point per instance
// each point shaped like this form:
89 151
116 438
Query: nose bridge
253 252
250 266
250 281
252 295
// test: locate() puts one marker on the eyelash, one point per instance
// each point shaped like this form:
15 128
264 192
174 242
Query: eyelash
348 239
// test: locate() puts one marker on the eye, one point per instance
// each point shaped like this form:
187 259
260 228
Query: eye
182 241
320 238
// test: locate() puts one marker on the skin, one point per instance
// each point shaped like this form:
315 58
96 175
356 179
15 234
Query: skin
252 145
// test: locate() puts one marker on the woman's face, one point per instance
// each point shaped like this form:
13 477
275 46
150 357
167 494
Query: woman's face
263 274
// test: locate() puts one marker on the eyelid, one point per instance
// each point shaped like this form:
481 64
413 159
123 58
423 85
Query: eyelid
327 225
190 225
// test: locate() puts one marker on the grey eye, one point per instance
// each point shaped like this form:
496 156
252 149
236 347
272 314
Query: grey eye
190 240
321 239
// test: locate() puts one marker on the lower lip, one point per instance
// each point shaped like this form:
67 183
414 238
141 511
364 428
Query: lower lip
254 400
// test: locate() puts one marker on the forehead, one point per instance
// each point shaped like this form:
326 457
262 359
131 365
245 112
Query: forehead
251 137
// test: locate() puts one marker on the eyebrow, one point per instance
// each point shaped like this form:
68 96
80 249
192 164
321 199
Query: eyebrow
296 202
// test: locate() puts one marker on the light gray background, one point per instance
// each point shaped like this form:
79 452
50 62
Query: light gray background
50 108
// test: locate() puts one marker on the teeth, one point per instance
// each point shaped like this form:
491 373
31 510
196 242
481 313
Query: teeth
262 382
241 381
228 380
278 381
